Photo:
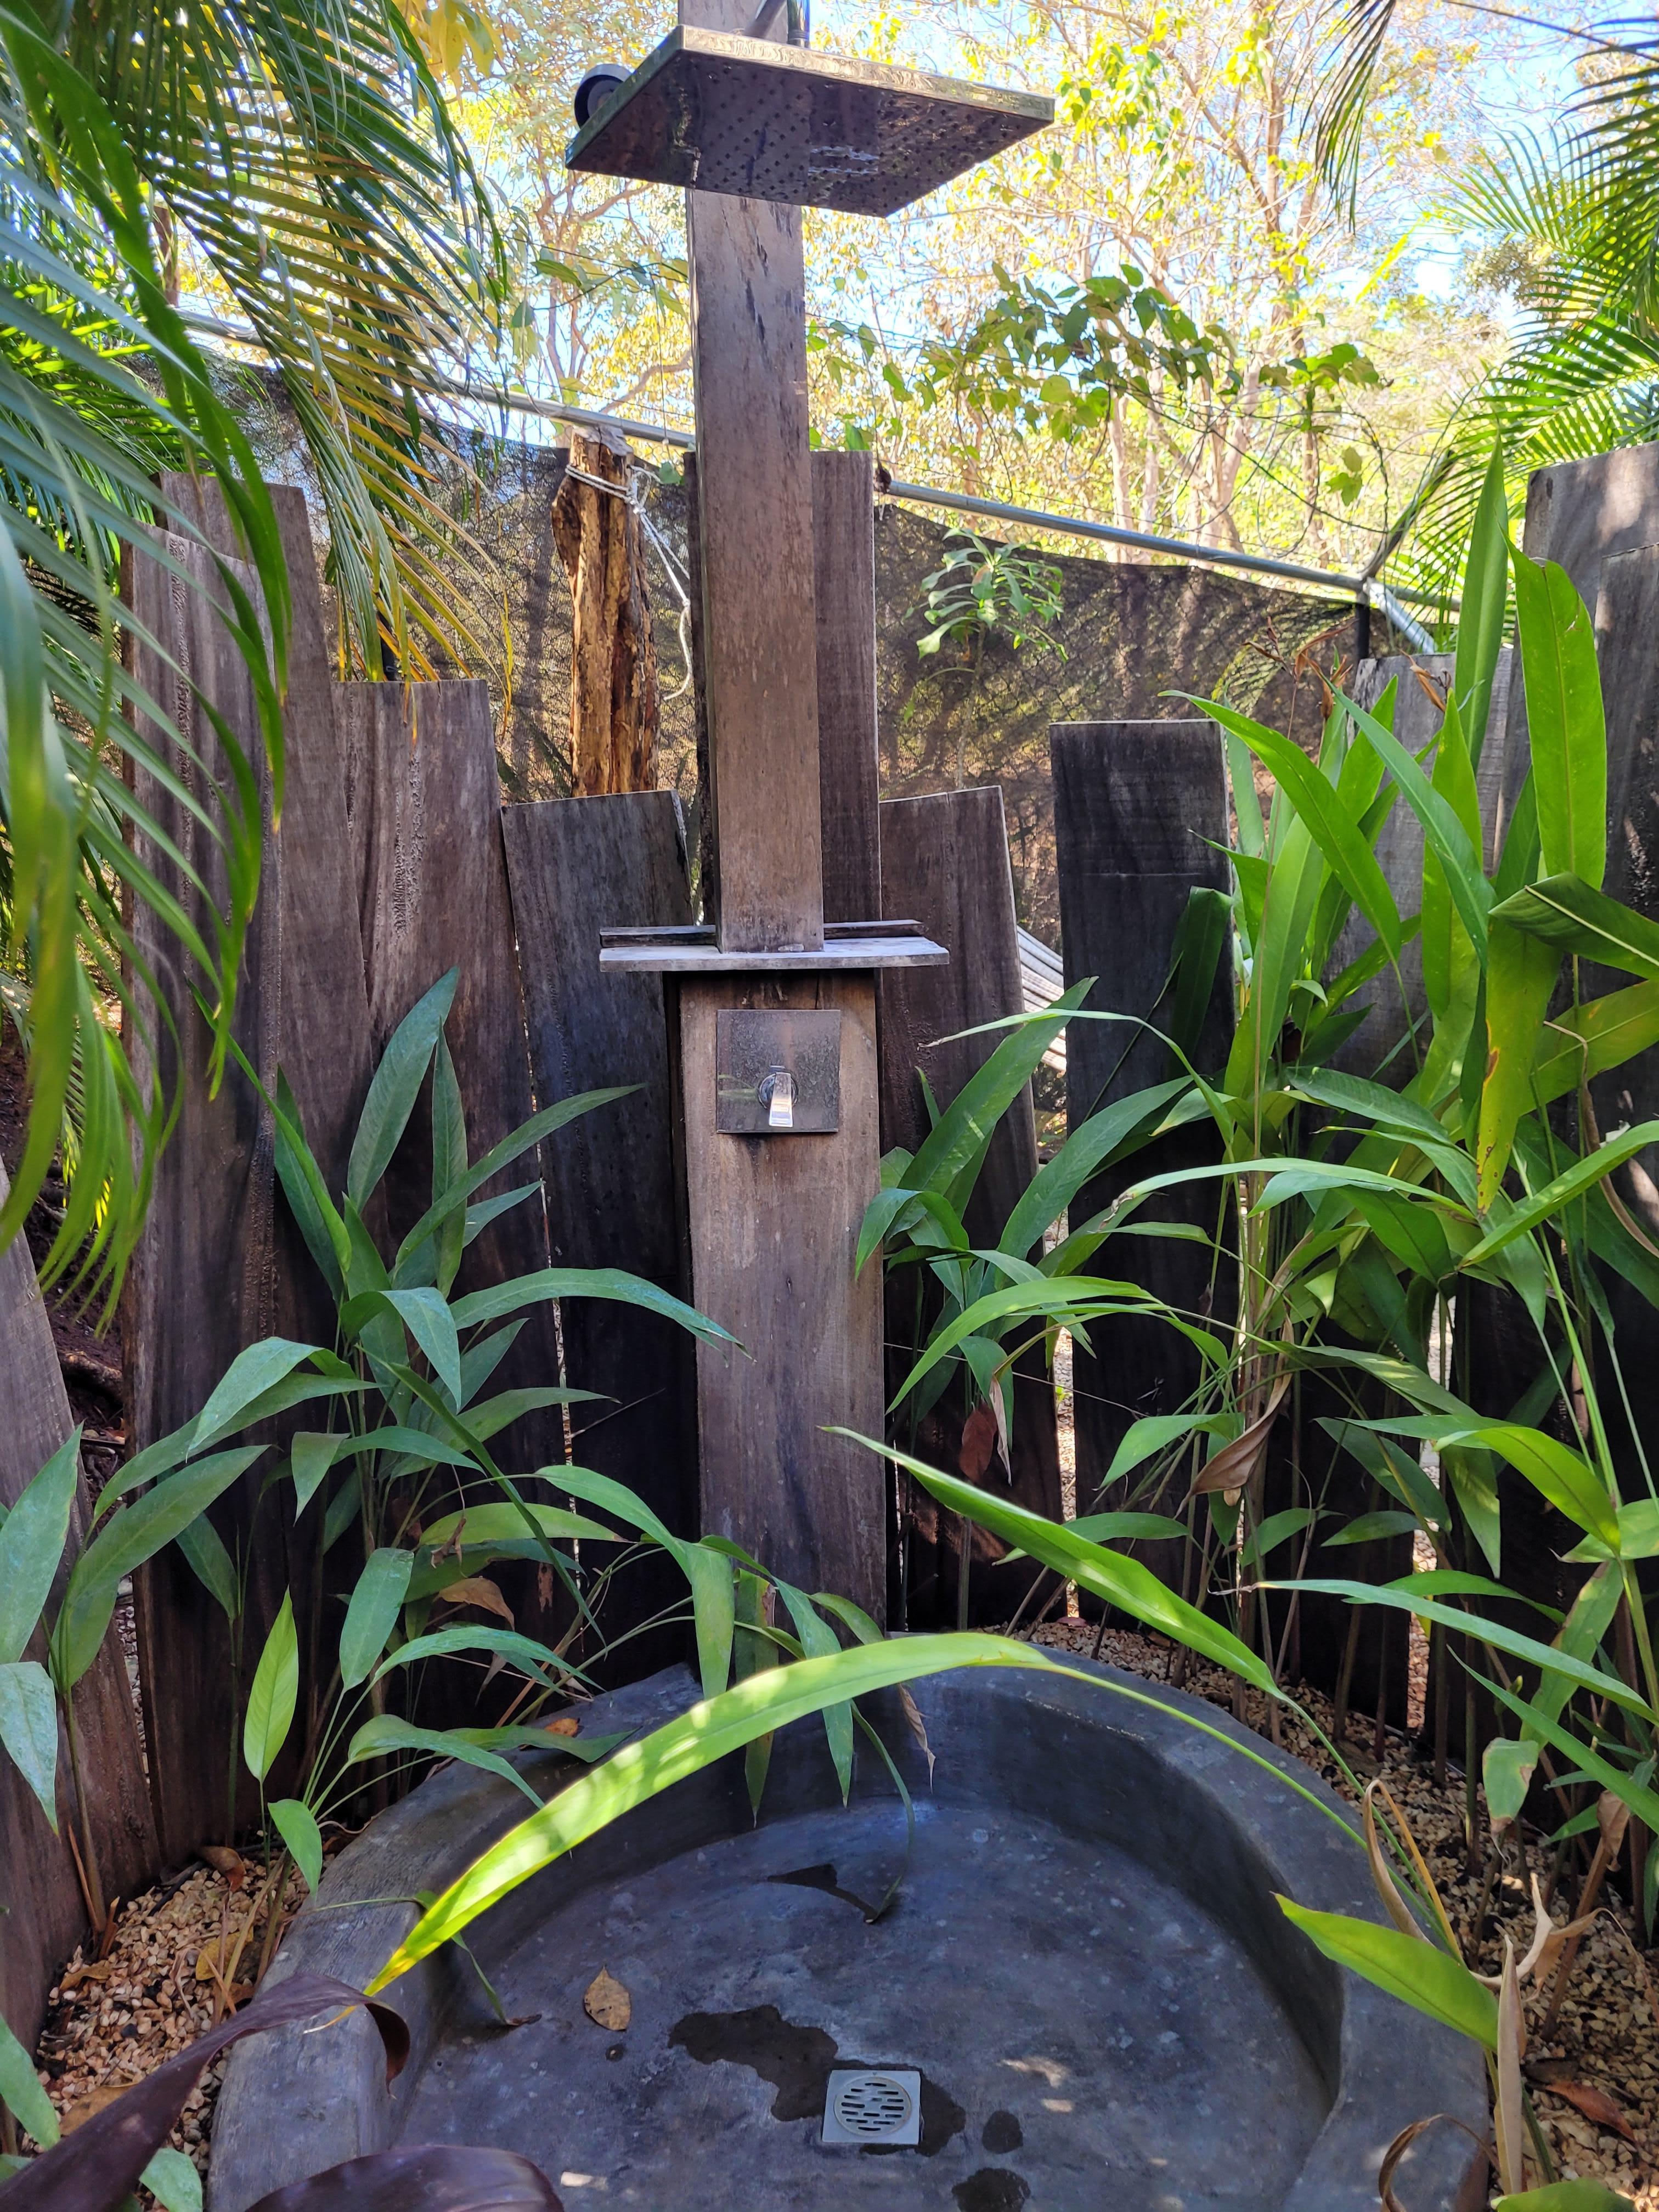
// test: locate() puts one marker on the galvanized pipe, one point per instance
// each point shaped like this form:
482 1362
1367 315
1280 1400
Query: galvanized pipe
1364 588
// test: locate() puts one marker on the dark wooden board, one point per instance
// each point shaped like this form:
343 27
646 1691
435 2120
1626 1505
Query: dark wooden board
575 865
773 1225
1133 804
755 490
945 864
844 548
423 808
204 1280
44 1916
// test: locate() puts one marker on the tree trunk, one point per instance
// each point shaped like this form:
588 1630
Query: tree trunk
613 659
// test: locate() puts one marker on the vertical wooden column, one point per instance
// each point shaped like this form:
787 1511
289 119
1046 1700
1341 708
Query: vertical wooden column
610 1176
945 864
754 530
1135 803
774 1225
844 548
44 1916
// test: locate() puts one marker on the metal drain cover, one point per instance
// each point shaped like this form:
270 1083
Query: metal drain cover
867 2105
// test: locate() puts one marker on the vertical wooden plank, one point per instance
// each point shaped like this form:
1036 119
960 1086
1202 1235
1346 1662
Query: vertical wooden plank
45 1917
203 1283
423 808
773 1226
945 864
312 1023
1135 803
754 489
844 549
573 865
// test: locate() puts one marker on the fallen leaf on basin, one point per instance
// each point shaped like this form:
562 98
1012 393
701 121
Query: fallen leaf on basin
607 2003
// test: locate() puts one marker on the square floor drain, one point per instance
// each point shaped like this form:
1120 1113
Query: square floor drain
871 2105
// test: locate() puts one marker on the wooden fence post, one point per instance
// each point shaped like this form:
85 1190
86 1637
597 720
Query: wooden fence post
44 1915
613 657
576 865
844 555
945 864
1134 804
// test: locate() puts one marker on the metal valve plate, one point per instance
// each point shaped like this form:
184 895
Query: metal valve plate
717 112
777 1072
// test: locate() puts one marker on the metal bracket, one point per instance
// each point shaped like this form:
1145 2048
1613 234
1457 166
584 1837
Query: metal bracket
777 1073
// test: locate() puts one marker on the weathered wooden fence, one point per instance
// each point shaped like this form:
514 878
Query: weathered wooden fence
395 862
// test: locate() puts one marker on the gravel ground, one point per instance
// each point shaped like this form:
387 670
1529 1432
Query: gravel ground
1605 2048
112 2020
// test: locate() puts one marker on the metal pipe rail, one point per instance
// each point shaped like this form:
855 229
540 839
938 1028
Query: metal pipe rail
1366 591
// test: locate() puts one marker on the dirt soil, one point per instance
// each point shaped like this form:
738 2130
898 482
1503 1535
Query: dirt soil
1604 2053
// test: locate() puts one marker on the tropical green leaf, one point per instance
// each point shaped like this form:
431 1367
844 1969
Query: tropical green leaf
1093 1145
272 1695
1562 1475
396 1086
1566 2197
1575 916
372 1614
28 1730
32 1542
173 2180
1520 974
425 1313
22 2093
311 1457
248 1379
297 1826
1409 1967
613 1282
1564 720
204 1549
1482 608
959 1139
1572 1183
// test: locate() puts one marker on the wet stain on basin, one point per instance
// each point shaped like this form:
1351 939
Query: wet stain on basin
1002 2133
993 2189
797 2062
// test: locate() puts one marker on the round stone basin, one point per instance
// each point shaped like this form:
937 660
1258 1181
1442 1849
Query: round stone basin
1085 1965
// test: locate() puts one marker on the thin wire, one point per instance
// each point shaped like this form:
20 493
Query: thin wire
629 494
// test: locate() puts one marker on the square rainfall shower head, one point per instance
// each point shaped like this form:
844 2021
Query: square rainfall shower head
719 114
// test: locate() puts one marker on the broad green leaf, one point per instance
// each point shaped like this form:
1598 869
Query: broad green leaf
320 1222
1278 1529
426 1314
311 1457
204 1548
1094 1144
713 1607
1563 1476
1570 1184
130 1537
1450 962
501 1522
1127 1527
1466 879
1586 1040
1151 1434
28 1730
396 1086
1536 1717
1409 1967
1202 938
1575 916
1071 1297
22 2093
172 2179
372 1614
1520 974
1639 1534
1292 891
819 1641
387 1734
449 1165
32 1543
1366 1528
1335 834
454 1198
1482 606
536 1659
297 1826
248 1376
270 1700
682 1747
1565 720
1124 1583
1566 2197
613 1282
959 1138
1507 1765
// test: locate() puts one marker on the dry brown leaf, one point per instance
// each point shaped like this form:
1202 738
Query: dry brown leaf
93 2101
1230 1470
1508 2108
979 1443
224 1861
1382 1876
209 1961
1402 2142
607 2003
479 1590
1611 1818
76 1975
564 1724
917 1727
1595 2104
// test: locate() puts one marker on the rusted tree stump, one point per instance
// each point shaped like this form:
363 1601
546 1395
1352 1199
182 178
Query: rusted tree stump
613 660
